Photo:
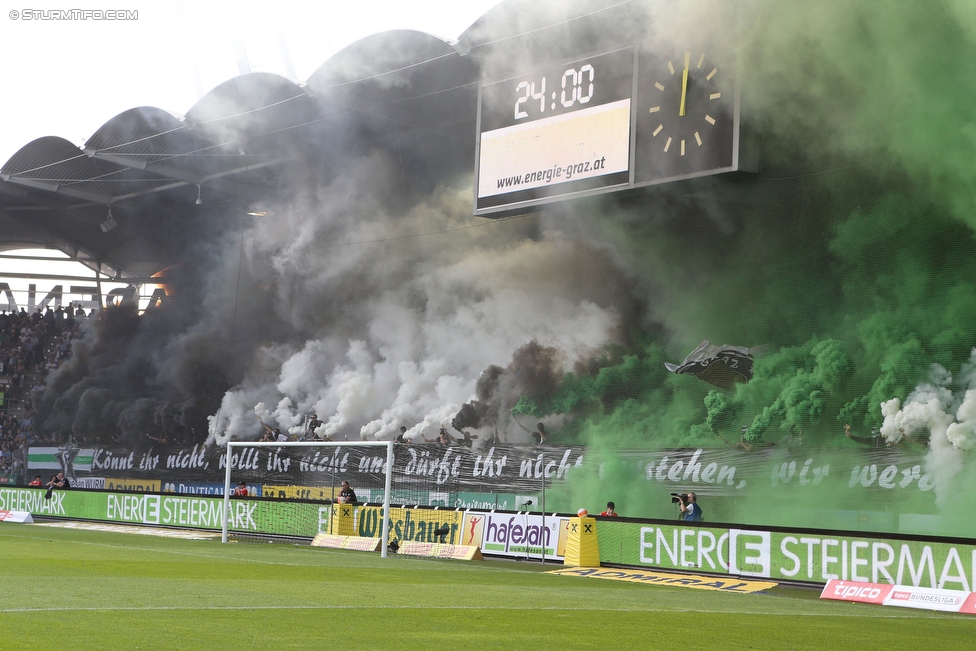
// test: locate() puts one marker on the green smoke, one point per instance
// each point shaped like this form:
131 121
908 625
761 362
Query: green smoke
851 255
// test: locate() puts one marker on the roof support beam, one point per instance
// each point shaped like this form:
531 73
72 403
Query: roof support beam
155 168
215 181
59 189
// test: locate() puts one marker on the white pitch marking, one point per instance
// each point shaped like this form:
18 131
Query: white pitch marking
667 144
658 85
655 109
709 76
587 608
701 60
709 119
682 147
130 528
698 139
671 67
715 96
658 130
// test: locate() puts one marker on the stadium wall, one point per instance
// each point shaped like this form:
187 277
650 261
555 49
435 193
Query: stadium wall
801 555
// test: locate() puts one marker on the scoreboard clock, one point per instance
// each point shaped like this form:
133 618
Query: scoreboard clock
613 121
686 117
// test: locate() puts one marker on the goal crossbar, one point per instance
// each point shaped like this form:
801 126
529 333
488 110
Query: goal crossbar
310 444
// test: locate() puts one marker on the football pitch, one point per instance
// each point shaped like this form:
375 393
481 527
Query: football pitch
69 588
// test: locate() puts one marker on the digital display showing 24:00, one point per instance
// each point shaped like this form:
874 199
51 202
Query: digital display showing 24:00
558 90
556 131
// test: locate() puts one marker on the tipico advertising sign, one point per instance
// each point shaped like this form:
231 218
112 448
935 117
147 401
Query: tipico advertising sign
949 601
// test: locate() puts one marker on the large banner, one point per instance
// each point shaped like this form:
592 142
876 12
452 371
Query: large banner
810 556
888 474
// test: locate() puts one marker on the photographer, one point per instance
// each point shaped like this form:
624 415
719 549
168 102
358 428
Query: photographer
690 511
57 481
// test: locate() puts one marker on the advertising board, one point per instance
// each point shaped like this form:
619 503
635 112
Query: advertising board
941 599
515 535
421 525
814 557
192 511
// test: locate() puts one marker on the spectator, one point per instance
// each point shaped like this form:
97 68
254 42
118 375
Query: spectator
444 437
347 495
467 440
540 434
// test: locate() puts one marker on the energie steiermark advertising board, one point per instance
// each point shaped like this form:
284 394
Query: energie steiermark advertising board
789 556
190 511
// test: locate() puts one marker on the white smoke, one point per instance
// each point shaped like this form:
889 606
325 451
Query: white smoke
948 418
401 327
962 434
925 410
261 411
236 419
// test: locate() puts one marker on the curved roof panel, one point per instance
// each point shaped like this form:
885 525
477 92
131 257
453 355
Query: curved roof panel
239 111
36 157
153 140
382 63
515 36
56 165
145 132
399 80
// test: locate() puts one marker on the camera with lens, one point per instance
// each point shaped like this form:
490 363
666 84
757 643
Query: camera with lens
679 497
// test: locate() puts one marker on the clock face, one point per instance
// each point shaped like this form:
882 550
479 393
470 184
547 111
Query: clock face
685 115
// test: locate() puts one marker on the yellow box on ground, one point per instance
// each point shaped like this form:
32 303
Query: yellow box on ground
343 522
582 547
346 542
437 550
723 584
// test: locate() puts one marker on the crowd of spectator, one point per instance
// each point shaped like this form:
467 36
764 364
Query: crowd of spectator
31 347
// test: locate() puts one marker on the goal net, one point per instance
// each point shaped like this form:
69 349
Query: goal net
293 489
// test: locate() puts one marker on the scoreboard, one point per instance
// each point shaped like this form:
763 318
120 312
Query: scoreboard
613 121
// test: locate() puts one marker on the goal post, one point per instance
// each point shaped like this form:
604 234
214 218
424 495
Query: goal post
275 457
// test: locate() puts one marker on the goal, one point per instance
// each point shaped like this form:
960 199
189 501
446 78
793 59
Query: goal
291 487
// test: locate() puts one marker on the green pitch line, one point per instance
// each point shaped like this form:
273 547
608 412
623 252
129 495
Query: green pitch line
65 588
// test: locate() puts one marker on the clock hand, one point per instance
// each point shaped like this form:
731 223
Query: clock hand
684 85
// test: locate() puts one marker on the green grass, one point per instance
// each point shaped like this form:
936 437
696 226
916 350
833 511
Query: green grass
67 589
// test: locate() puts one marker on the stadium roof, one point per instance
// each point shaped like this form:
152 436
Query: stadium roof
151 171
